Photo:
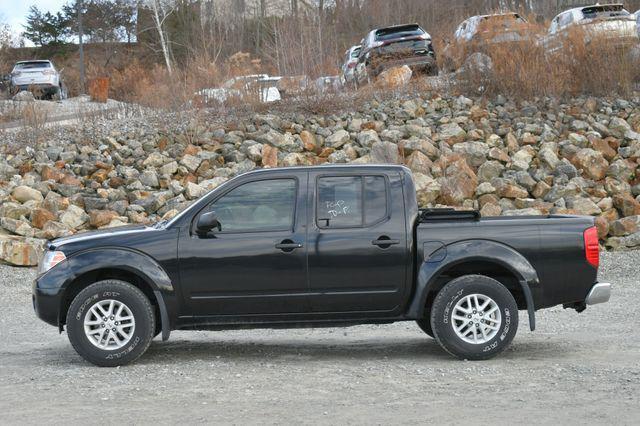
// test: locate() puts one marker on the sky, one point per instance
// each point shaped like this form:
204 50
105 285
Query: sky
14 12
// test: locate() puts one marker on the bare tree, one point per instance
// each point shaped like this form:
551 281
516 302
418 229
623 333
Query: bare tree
161 10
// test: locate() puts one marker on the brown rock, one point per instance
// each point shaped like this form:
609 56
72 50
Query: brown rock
498 154
20 251
476 113
592 163
308 140
490 209
603 147
626 204
51 173
512 142
625 226
39 217
418 162
459 183
326 152
269 156
541 189
70 180
506 189
116 182
100 175
104 166
98 218
394 77
603 227
191 150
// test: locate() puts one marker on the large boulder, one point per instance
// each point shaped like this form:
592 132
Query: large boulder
458 183
592 162
20 251
395 77
24 193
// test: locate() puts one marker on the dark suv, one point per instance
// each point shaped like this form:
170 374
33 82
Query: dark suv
389 47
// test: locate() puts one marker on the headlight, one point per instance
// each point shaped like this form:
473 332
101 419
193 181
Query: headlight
50 259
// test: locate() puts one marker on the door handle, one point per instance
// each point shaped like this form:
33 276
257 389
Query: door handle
384 242
288 245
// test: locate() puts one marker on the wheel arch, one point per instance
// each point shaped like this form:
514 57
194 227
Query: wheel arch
480 257
130 266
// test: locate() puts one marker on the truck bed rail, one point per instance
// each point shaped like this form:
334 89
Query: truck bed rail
447 214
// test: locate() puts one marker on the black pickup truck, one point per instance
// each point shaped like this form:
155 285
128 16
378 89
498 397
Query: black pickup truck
310 247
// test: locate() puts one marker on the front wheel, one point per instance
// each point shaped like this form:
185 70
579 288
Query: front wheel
425 325
474 317
110 323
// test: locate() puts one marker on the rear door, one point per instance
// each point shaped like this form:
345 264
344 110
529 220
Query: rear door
357 243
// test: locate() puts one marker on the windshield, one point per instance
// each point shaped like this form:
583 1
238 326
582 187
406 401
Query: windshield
598 12
397 32
355 52
32 65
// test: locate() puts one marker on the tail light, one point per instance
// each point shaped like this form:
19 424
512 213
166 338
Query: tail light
592 246
16 73
351 65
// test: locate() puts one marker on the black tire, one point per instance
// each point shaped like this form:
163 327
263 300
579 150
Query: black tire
425 325
443 324
125 293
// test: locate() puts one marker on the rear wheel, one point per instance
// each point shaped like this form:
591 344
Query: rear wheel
474 317
110 323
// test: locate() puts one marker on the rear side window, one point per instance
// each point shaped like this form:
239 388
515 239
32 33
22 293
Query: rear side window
351 201
397 32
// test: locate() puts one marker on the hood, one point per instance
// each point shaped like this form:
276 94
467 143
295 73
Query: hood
99 235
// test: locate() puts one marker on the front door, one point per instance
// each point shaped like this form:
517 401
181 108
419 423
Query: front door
358 249
256 263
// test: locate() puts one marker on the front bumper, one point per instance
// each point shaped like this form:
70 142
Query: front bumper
599 293
48 293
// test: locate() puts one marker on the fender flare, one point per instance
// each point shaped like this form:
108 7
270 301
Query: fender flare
444 257
132 261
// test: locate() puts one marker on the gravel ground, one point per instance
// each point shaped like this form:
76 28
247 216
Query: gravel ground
576 368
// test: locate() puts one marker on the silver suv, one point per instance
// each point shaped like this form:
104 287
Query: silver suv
40 77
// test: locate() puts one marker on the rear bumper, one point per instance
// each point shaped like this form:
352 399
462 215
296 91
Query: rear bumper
599 293
43 87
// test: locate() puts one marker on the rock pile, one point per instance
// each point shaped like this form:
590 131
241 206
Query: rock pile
498 156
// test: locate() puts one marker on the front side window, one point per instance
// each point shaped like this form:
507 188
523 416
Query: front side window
351 201
266 205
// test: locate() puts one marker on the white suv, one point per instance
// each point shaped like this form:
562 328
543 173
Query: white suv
39 77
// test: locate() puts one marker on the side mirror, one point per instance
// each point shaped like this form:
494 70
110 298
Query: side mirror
206 222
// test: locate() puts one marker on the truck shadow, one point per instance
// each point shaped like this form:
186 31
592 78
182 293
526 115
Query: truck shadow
292 350
304 351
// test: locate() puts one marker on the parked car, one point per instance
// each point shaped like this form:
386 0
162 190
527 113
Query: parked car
349 65
260 87
316 246
481 34
609 22
389 47
40 77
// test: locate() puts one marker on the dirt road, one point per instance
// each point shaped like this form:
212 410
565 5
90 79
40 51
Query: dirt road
576 368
